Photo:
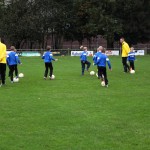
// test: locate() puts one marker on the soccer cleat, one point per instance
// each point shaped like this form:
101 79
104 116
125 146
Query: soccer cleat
44 78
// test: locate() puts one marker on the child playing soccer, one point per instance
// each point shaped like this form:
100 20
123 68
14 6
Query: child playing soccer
101 63
131 58
12 61
83 58
48 58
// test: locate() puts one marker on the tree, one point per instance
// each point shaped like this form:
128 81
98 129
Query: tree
135 19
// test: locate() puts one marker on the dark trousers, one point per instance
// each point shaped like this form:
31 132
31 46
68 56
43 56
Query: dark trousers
2 72
98 71
132 65
125 65
83 63
12 69
48 66
103 74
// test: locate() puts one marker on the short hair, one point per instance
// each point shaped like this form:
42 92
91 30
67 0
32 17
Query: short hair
122 38
85 48
12 48
103 50
48 47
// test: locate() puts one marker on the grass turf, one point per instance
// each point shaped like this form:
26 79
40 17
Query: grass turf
74 112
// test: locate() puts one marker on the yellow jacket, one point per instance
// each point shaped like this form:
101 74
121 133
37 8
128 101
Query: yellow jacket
125 49
2 53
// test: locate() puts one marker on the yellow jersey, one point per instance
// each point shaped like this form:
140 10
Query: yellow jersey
125 49
2 53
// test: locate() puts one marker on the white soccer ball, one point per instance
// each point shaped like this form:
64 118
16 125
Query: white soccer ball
16 79
132 71
103 83
53 77
21 75
92 73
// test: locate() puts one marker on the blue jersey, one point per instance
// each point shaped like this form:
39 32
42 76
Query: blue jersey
48 57
131 56
83 56
95 56
13 59
101 61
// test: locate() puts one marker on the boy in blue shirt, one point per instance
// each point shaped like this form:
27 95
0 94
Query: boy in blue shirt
12 61
98 53
101 63
83 58
131 58
48 58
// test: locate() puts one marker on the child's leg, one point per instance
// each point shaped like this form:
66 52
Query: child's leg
83 67
16 70
11 72
88 64
132 65
105 76
100 71
46 70
51 69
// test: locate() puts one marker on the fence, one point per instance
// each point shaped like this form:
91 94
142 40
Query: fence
65 52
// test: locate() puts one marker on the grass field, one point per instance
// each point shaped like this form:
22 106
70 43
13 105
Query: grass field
74 112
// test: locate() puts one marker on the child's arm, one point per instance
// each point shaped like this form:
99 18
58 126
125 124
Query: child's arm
108 62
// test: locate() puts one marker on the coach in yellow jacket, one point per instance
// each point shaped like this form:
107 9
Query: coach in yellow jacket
2 63
125 51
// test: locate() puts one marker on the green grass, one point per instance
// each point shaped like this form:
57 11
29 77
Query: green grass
74 112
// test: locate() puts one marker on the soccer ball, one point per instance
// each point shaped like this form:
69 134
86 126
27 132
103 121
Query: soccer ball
103 83
16 79
132 71
53 77
92 73
21 75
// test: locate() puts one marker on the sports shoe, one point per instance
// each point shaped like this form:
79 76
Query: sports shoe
44 78
106 85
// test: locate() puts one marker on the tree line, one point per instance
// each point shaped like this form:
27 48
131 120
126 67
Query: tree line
40 20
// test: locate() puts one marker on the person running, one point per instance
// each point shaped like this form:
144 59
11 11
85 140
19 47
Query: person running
84 61
2 63
12 61
125 51
48 58
101 63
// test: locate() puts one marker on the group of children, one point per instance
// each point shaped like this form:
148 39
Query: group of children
100 59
